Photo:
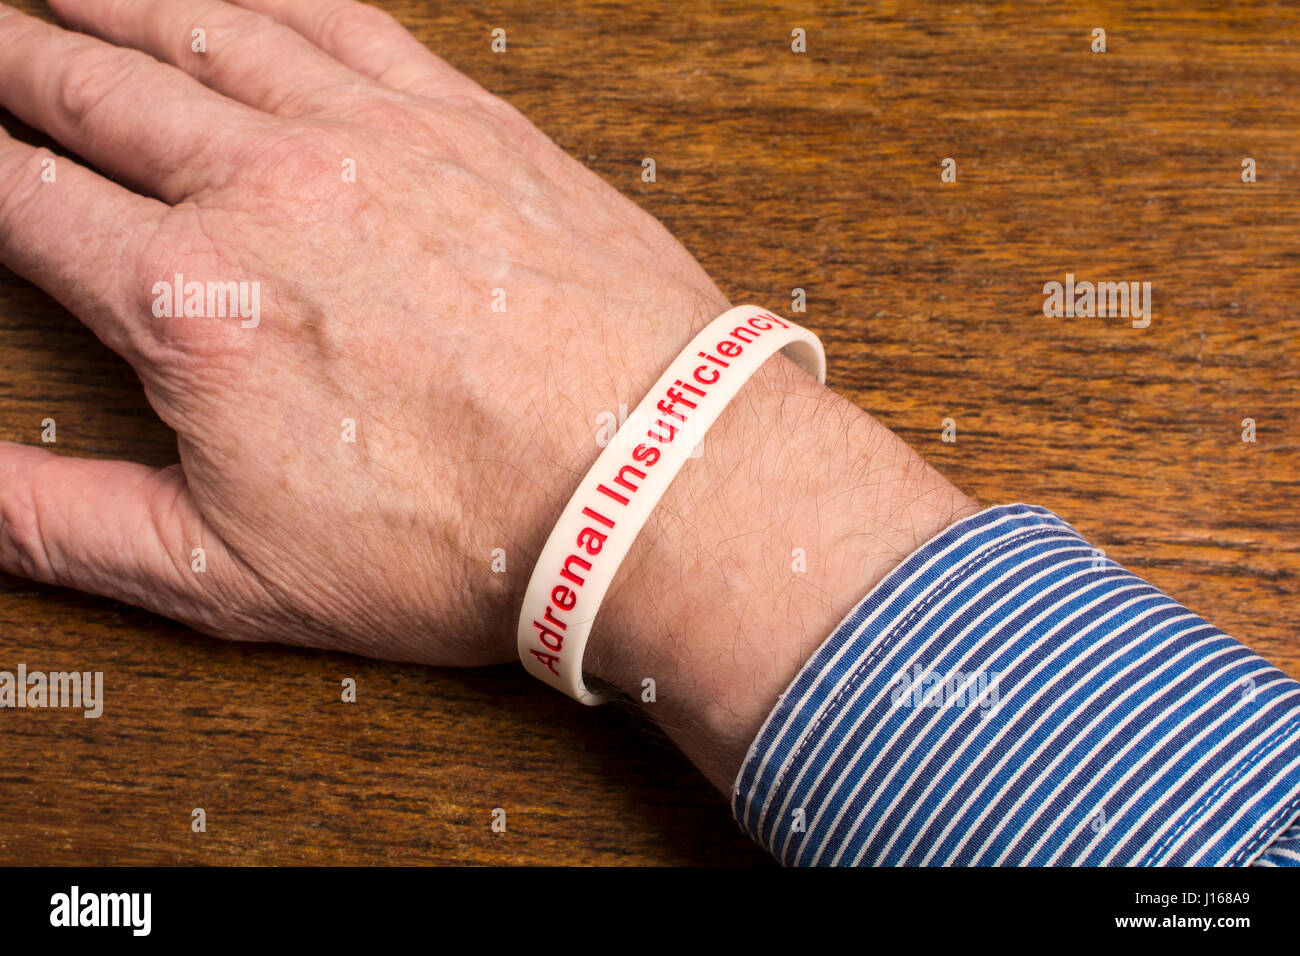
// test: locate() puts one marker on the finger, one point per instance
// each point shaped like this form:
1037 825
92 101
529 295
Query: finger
371 42
118 529
121 109
247 56
73 233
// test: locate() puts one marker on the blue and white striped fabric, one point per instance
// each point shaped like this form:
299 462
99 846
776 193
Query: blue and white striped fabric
1010 696
1284 851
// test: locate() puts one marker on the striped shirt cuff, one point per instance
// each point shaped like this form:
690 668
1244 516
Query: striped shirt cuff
1010 696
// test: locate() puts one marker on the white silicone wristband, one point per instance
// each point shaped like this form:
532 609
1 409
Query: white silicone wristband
614 501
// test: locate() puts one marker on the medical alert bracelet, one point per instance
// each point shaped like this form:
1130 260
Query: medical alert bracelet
614 501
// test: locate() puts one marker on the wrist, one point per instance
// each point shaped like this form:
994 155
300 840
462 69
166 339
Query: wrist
798 505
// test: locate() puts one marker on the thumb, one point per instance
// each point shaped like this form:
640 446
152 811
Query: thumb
118 529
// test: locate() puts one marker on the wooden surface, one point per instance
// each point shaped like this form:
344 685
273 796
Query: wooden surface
818 171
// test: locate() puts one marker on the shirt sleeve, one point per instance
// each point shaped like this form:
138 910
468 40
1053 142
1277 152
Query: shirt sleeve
1010 696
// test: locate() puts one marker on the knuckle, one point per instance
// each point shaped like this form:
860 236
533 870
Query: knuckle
296 163
251 41
391 114
498 112
243 36
22 546
88 80
20 184
492 115
321 99
163 334
346 22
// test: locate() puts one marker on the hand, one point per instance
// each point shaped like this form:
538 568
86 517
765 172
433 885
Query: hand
375 305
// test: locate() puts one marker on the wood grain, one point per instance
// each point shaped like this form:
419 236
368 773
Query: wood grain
818 171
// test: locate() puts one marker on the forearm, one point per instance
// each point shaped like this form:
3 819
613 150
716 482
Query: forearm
799 503
1095 668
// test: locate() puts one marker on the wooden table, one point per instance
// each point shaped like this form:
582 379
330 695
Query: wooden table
819 171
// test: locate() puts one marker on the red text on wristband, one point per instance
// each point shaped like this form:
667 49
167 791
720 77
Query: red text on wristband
596 530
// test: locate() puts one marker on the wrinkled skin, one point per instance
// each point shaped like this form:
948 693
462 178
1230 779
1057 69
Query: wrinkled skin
472 425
